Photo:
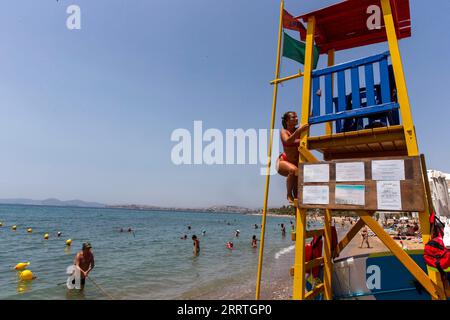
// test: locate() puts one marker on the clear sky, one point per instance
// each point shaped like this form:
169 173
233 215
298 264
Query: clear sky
88 113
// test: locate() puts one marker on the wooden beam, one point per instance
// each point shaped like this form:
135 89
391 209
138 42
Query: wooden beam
280 80
314 233
314 292
401 255
351 140
317 262
307 155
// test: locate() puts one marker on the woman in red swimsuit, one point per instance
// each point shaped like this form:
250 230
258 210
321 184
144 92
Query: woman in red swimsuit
288 161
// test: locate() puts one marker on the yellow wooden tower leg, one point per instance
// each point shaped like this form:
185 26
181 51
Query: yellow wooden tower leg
328 262
402 91
299 264
329 125
408 125
328 258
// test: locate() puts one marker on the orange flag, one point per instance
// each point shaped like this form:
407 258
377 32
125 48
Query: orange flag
292 24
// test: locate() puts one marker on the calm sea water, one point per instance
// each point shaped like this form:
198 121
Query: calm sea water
154 263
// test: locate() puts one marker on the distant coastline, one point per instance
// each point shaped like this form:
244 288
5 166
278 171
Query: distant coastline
53 202
214 209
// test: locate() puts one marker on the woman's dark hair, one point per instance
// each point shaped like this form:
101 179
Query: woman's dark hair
285 118
194 237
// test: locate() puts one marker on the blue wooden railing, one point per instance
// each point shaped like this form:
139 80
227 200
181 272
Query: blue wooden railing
374 102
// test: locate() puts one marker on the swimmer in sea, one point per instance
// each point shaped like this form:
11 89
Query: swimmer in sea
183 237
196 248
254 241
283 230
237 233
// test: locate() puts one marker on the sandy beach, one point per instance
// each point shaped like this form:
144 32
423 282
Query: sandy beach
276 283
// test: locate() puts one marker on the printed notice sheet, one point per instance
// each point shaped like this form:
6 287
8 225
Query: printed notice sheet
389 196
315 195
350 194
350 171
388 170
316 173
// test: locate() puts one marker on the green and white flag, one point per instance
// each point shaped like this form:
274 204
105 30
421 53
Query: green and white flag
295 50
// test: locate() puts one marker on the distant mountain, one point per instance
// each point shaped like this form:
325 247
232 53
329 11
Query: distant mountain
53 202
218 209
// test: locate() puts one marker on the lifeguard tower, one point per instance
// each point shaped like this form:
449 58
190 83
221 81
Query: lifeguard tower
365 107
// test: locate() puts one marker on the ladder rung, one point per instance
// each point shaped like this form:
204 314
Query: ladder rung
314 233
309 234
314 263
314 292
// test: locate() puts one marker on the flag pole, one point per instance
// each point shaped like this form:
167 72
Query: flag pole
266 192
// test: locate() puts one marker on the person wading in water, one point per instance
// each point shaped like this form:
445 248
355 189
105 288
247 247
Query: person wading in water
84 261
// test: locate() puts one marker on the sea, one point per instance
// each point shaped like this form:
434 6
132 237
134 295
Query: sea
151 262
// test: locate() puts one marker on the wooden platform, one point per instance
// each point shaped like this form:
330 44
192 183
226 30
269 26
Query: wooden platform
382 142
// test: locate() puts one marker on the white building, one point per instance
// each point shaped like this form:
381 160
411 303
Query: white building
440 191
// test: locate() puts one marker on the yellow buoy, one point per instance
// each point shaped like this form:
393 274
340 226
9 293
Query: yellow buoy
14 228
68 242
46 236
21 265
29 230
26 275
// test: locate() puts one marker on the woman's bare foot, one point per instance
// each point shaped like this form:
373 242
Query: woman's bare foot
290 198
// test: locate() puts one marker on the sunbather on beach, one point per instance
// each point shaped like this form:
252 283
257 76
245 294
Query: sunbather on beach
365 237
287 162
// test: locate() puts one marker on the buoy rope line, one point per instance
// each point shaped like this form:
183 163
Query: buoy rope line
101 289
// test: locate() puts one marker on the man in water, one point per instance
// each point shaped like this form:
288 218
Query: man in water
196 248
84 261
237 233
283 230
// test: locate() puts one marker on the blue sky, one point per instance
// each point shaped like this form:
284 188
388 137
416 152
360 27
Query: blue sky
88 113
